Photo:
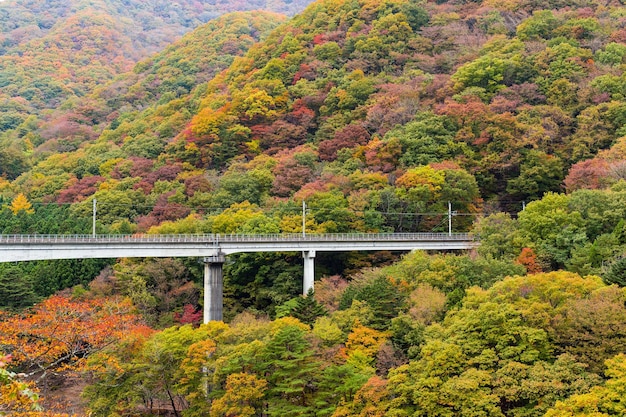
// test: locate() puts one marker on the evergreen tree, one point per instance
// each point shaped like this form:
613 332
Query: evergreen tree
307 309
381 295
291 373
16 289
616 273
54 275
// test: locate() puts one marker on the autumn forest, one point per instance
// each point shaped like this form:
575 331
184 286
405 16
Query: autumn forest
201 117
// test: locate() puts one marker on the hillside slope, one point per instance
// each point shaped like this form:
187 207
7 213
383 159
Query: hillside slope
379 115
356 99
54 50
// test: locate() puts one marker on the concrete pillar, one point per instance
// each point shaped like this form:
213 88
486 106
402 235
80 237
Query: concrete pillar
213 288
309 270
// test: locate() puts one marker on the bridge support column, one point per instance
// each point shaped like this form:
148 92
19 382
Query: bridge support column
213 288
309 270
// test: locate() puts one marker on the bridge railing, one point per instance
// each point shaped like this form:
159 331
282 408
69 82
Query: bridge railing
216 238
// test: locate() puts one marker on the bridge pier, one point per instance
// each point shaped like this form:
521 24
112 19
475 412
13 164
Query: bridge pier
213 288
309 270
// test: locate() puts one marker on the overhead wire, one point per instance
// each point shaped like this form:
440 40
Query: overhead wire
312 210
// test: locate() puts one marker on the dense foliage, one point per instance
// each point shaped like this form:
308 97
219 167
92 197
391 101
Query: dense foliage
57 50
379 116
54 53
514 349
360 109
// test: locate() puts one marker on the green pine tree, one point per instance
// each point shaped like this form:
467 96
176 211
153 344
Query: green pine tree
381 296
16 289
291 372
307 309
616 273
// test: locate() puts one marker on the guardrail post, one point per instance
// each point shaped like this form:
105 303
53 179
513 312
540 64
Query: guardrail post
213 288
309 271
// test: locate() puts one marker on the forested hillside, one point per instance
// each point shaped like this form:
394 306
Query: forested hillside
378 115
54 51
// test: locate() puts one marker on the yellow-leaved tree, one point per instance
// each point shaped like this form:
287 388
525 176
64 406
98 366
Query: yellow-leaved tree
19 203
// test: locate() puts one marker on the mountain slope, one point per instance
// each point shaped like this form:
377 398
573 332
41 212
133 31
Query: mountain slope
54 50
155 84
376 113
506 98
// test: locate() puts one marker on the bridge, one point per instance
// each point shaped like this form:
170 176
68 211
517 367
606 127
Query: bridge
213 248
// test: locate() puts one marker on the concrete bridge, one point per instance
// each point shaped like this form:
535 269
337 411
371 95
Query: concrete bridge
213 248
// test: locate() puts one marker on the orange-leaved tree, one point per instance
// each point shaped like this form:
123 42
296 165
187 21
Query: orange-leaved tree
19 398
59 333
14 394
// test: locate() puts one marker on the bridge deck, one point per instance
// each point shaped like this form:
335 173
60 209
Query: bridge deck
213 238
42 247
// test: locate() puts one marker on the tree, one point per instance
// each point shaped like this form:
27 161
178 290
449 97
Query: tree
80 190
157 287
600 401
243 218
498 235
16 397
291 372
371 400
48 277
407 335
262 280
528 259
592 329
424 191
539 174
494 355
602 211
539 26
591 174
60 332
162 357
416 15
307 309
327 331
348 137
293 170
616 273
426 304
190 315
250 185
486 72
366 341
440 384
242 398
116 380
113 205
339 383
613 54
328 291
382 296
551 229
452 274
16 289
20 203
541 384
427 138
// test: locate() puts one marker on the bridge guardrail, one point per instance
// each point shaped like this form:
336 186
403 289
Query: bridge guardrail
216 238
